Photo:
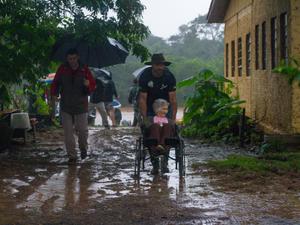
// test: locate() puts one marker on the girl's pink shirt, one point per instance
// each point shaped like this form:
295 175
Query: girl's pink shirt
160 120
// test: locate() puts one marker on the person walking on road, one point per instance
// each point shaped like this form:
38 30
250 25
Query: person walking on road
110 92
133 99
73 82
97 100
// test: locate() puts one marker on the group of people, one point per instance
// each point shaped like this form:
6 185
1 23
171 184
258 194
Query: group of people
156 104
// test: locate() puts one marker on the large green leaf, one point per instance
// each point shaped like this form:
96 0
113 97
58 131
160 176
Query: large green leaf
187 82
231 104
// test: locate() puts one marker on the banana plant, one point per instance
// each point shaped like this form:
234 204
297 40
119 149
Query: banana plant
210 111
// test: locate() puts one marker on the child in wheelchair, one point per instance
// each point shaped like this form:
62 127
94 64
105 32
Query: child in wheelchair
159 128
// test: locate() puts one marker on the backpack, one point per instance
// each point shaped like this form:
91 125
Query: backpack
98 95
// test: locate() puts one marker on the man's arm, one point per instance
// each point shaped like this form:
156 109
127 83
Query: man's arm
89 82
131 95
143 103
54 90
173 102
143 95
114 90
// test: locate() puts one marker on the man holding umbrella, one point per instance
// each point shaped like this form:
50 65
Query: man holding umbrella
74 82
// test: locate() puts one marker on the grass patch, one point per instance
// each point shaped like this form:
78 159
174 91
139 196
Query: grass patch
278 163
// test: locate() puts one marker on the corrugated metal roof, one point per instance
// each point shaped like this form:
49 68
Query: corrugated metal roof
217 11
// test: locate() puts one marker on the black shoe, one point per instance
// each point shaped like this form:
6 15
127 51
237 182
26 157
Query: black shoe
165 170
154 171
83 154
107 127
72 161
155 164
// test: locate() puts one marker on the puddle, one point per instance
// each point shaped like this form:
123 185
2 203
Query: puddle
39 185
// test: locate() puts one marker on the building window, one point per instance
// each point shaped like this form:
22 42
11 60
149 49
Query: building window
232 58
248 54
240 57
284 37
273 42
263 46
257 47
226 59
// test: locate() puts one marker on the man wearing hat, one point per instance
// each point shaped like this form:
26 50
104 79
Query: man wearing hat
157 82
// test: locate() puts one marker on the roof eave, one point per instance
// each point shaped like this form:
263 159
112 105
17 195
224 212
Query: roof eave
217 11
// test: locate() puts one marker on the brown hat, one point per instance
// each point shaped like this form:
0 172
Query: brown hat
157 59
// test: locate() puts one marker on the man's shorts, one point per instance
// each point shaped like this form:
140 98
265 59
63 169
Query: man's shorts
108 106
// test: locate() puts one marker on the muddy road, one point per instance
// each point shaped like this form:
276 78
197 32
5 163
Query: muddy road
37 186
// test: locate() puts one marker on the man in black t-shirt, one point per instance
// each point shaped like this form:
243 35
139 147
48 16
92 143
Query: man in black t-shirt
157 82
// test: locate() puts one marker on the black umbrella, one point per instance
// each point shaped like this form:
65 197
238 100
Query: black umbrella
107 53
100 74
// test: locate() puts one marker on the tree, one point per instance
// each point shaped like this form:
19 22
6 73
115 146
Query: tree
199 28
198 39
156 44
29 29
204 30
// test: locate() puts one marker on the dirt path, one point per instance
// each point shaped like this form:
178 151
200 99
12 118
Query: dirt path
37 186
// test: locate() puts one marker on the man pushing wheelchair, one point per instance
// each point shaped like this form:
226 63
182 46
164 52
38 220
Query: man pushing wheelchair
158 108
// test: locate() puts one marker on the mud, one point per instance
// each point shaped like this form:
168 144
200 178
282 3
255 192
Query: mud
37 186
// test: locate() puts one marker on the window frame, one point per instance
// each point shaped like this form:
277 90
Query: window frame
257 47
284 37
263 46
232 58
240 56
248 54
274 38
226 59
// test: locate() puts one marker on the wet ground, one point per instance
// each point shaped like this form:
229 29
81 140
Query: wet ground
37 186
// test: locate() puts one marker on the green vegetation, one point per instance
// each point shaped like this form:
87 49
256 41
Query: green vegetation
36 92
273 157
291 71
29 28
279 163
210 112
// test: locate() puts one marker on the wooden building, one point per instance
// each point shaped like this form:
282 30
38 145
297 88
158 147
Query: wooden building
259 34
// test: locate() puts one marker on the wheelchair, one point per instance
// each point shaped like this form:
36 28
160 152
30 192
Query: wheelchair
142 153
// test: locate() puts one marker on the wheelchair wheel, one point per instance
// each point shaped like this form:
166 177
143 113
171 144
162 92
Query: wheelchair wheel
181 159
118 116
138 158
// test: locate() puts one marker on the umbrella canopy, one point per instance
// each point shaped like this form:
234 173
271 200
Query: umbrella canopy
139 71
100 74
49 78
107 53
